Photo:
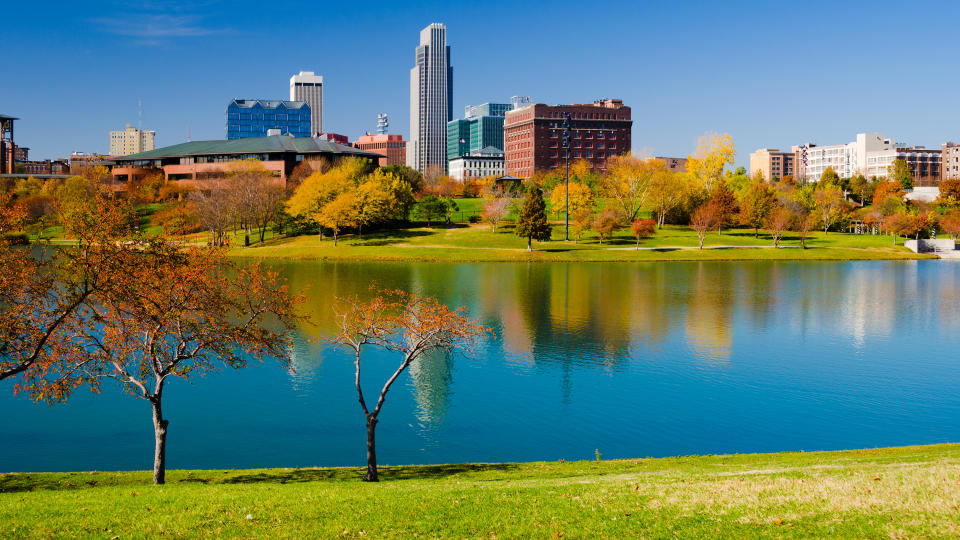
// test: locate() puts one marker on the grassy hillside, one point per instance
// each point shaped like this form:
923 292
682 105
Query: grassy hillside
889 493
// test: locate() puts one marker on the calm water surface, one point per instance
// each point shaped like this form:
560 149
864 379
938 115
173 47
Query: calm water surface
631 359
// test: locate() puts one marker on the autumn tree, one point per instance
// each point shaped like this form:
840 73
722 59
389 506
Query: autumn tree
374 204
643 228
949 193
217 208
859 187
778 222
667 191
605 223
704 219
407 324
41 294
725 205
339 214
803 223
181 313
950 222
257 195
580 197
581 223
757 203
714 152
323 187
628 181
899 171
829 204
495 210
532 219
829 177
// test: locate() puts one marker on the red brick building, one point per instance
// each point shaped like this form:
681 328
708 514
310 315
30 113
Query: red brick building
533 135
388 144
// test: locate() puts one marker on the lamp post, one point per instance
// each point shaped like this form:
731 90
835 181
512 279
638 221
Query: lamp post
566 176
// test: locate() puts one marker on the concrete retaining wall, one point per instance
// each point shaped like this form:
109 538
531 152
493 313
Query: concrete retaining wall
927 245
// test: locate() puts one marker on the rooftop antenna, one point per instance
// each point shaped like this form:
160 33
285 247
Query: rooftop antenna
382 124
139 112
188 133
519 101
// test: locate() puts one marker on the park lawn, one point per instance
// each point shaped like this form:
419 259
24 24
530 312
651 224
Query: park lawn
880 493
477 242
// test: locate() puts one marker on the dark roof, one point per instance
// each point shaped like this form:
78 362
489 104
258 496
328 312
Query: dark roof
5 117
251 145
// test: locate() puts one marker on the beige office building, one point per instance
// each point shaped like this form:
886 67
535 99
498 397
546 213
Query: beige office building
131 141
773 164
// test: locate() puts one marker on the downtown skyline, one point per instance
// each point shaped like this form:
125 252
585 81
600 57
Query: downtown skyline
746 70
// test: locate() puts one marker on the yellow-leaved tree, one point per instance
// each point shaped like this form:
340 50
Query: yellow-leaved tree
339 213
323 187
714 152
581 198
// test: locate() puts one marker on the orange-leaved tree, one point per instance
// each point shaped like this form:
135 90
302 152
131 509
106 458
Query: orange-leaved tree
175 312
405 323
41 294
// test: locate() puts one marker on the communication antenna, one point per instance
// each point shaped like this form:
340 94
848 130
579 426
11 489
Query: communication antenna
188 133
382 124
139 112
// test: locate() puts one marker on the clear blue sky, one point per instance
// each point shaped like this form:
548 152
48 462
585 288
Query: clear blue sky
769 73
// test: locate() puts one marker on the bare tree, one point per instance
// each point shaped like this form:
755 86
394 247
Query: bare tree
778 221
217 208
405 323
703 220
496 209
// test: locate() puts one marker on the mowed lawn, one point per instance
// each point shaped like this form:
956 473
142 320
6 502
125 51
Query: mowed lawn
477 242
905 492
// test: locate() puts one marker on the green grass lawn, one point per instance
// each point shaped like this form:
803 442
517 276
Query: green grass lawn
886 493
477 242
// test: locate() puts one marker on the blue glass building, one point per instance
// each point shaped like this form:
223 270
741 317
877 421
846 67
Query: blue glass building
253 117
482 128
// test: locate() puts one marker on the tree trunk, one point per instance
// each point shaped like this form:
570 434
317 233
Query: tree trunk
638 243
360 231
701 242
160 448
371 451
529 244
756 232
334 238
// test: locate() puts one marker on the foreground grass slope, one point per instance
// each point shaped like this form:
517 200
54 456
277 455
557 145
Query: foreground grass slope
894 492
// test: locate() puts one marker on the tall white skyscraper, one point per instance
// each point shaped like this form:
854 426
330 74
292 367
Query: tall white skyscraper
309 87
431 100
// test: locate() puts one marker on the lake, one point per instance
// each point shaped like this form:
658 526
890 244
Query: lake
631 359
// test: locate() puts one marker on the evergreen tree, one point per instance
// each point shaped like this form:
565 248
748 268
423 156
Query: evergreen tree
532 221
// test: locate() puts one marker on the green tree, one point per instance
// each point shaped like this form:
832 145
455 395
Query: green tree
899 171
532 220
859 185
431 208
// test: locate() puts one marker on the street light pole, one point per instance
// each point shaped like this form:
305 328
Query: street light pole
566 176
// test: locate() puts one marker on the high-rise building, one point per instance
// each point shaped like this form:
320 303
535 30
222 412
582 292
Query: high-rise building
533 135
431 100
308 87
950 161
131 141
773 164
255 117
482 127
391 146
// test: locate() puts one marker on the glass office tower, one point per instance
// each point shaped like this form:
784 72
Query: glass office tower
253 117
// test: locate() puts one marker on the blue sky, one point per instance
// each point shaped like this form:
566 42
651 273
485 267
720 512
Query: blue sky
769 73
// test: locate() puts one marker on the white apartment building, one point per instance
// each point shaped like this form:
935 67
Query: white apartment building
846 159
307 86
478 164
131 141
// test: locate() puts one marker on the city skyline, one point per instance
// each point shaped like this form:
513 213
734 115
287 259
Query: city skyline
690 70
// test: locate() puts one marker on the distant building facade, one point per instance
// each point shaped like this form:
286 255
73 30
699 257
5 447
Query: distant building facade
308 87
431 100
478 164
47 166
334 137
198 160
254 117
533 135
950 161
131 141
773 164
674 164
79 161
482 126
391 146
924 163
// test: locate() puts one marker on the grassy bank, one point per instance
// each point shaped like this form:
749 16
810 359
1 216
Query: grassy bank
479 243
894 492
